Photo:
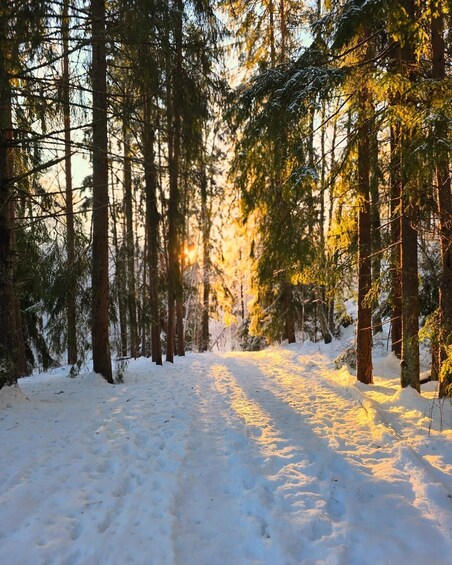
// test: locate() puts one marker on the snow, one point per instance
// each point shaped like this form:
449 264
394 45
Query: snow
239 458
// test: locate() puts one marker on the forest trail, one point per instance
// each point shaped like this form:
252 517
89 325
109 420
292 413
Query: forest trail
244 458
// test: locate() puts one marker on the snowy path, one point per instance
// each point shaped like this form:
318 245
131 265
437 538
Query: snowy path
267 458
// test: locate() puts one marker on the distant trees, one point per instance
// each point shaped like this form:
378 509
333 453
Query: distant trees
270 180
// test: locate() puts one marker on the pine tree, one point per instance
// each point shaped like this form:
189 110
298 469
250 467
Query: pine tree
206 225
8 339
408 231
21 29
444 200
364 327
100 284
152 229
70 232
129 235
395 211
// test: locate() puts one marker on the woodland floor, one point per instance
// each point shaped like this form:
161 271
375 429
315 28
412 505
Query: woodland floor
242 458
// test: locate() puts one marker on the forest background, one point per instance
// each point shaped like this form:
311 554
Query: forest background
255 162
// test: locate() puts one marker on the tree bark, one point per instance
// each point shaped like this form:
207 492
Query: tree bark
283 28
410 293
396 281
364 329
444 199
142 317
409 259
206 226
120 256
100 285
8 336
271 27
174 141
128 209
180 342
70 231
375 226
152 229
289 317
173 265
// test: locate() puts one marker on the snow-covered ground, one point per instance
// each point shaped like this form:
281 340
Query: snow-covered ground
243 458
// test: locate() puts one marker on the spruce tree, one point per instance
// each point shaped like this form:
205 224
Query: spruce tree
100 283
444 201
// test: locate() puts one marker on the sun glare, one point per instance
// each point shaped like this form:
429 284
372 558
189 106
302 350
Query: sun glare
190 253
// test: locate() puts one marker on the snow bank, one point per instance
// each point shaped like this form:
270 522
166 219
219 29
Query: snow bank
10 396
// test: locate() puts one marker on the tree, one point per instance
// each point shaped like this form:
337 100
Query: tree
70 232
152 228
206 225
408 231
275 168
8 339
395 211
444 201
128 210
21 30
364 327
100 284
174 94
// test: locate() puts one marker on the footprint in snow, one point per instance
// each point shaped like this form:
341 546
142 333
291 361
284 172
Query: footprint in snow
335 508
76 531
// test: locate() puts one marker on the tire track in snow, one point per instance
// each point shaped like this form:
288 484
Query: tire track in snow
217 510
303 510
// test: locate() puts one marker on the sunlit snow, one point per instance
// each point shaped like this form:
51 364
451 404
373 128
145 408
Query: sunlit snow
244 458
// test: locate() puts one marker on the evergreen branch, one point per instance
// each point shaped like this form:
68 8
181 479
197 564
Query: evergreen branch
35 170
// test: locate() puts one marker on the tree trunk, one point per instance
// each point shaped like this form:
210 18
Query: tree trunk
152 229
331 306
321 317
128 210
173 265
19 327
205 335
410 293
100 286
409 259
364 329
396 281
288 312
206 226
376 225
322 182
283 28
70 232
444 199
180 343
8 336
120 257
144 297
271 27
174 141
